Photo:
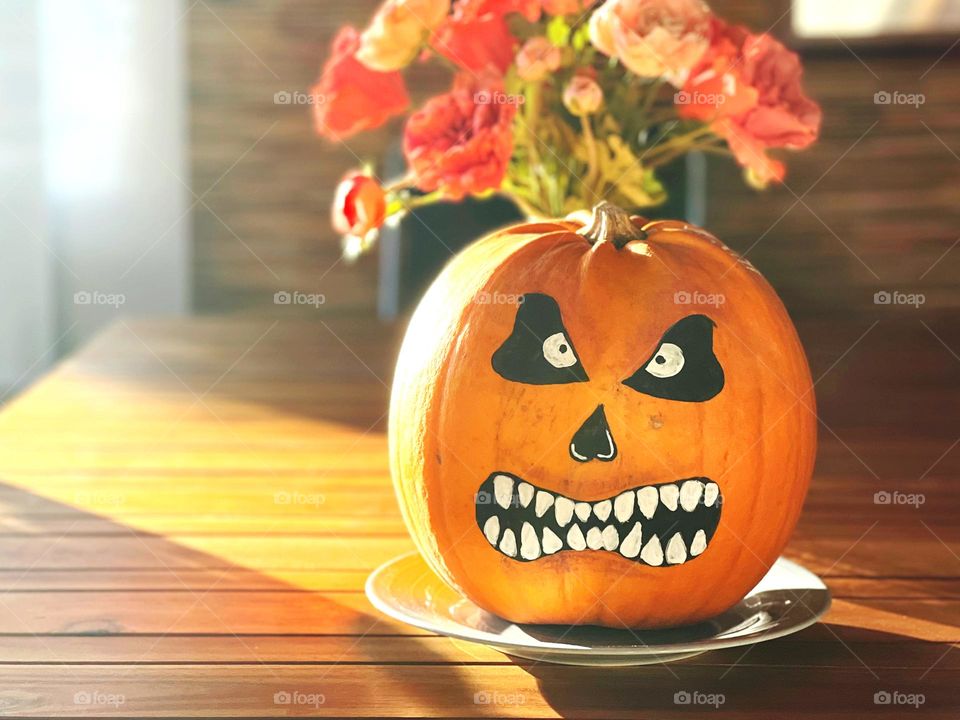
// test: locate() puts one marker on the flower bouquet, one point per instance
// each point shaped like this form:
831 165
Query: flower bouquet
557 104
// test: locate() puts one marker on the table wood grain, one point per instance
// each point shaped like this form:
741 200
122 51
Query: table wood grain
189 509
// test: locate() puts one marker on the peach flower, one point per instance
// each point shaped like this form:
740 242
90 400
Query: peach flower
359 205
461 142
749 87
582 95
537 58
565 7
398 31
354 98
653 38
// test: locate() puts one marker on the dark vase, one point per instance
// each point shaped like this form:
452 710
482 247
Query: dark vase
413 253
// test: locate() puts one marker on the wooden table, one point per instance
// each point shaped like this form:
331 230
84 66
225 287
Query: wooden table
189 509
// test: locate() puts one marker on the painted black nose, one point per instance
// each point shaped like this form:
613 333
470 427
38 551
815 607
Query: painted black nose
593 441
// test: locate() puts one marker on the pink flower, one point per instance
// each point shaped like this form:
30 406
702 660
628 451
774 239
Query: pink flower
351 97
582 96
398 31
749 87
653 38
359 205
537 58
461 142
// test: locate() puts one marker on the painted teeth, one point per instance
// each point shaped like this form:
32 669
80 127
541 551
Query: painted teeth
544 501
647 524
575 538
623 506
647 499
503 490
564 511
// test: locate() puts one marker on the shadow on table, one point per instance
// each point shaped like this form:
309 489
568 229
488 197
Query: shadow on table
829 669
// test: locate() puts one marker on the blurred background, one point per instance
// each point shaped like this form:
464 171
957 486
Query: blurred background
155 158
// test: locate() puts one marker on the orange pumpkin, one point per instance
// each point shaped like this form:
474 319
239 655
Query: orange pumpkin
605 423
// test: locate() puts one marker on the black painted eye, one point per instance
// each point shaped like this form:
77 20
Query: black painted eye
539 350
683 367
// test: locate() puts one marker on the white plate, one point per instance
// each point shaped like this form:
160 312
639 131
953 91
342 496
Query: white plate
788 599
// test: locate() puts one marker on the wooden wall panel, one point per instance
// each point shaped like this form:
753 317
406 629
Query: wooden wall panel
876 212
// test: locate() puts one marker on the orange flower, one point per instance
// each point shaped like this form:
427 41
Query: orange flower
565 7
398 31
476 36
351 97
461 142
749 88
653 38
359 205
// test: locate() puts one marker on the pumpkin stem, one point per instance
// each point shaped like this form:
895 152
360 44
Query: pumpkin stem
609 223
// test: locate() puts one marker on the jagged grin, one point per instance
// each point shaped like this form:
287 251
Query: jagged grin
665 524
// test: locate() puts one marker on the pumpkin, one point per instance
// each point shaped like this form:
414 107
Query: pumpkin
607 422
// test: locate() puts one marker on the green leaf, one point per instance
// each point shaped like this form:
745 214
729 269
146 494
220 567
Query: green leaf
558 31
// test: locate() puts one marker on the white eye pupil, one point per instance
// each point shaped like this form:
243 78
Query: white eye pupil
557 351
667 362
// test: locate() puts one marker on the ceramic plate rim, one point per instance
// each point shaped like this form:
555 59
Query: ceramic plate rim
484 637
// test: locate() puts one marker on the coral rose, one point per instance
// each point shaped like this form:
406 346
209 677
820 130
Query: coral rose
537 58
398 31
359 205
653 38
461 142
351 96
749 88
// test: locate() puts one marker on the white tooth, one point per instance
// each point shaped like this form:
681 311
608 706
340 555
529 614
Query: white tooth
676 550
503 490
491 529
623 506
690 493
647 499
630 547
551 543
710 494
575 539
699 543
610 538
583 510
652 553
602 509
563 510
669 495
508 543
525 491
544 501
529 545
594 539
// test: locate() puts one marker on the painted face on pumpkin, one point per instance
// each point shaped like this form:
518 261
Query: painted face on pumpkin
658 525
